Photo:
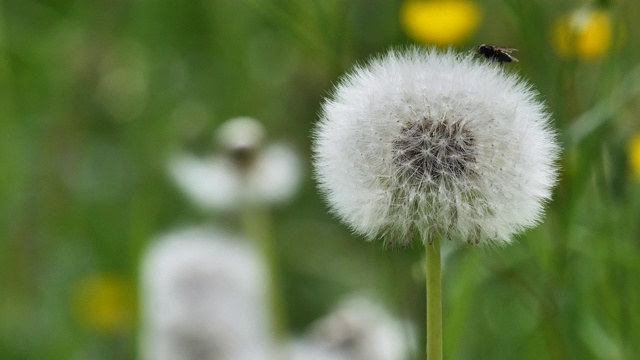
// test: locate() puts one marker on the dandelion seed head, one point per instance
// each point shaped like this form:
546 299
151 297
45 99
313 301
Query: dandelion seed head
247 171
203 297
360 328
435 143
241 138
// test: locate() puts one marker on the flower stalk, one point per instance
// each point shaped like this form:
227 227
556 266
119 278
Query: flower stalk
257 226
434 299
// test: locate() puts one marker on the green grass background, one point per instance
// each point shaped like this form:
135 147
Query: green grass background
94 95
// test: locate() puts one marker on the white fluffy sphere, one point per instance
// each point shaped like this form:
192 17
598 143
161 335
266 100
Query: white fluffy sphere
360 328
203 297
435 143
248 171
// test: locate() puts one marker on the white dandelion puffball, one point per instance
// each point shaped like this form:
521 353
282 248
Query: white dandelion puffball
241 134
246 172
437 143
359 328
204 297
300 349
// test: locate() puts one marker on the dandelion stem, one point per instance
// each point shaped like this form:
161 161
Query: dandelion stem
434 300
257 226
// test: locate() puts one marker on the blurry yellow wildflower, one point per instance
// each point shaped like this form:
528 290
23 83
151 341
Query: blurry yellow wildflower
104 303
634 155
586 33
440 22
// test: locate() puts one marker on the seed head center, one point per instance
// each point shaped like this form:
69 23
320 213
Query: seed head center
428 151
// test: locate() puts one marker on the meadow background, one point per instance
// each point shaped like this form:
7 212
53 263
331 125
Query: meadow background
96 95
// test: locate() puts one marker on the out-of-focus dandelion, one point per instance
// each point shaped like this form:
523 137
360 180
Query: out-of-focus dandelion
634 155
247 176
438 144
302 349
104 303
361 329
586 33
246 171
203 297
440 22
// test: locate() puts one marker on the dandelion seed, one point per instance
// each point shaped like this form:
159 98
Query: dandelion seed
436 143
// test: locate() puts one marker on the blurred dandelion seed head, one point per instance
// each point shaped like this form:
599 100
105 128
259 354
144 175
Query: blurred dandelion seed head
440 22
247 171
303 349
435 143
203 297
585 33
360 328
241 138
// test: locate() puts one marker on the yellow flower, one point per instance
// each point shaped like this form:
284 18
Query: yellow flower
440 22
586 33
634 155
104 303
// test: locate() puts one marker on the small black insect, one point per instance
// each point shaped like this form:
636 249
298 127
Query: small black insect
496 53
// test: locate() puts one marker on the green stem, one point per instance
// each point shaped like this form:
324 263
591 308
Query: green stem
434 300
257 227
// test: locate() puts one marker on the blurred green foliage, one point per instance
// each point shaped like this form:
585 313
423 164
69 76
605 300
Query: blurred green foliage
94 95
